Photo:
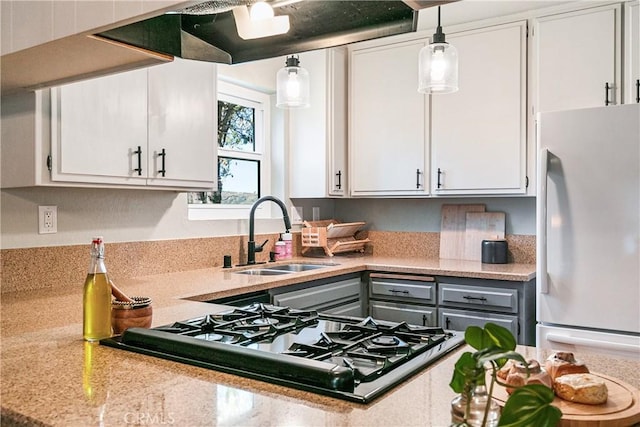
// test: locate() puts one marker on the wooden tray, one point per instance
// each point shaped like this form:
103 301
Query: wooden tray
622 407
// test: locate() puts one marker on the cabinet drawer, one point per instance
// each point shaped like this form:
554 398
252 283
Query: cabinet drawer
314 296
458 320
484 297
352 308
398 312
399 287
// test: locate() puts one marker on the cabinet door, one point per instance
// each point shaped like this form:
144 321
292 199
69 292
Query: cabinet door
388 122
632 52
182 124
576 53
458 320
337 123
97 127
399 312
352 308
318 134
478 134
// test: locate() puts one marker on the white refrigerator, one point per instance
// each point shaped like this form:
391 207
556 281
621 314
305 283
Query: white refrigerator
588 230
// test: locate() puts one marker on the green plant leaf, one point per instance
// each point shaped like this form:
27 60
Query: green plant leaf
462 372
501 336
476 337
530 406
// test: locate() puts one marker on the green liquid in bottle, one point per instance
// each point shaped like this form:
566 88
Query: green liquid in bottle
97 296
97 307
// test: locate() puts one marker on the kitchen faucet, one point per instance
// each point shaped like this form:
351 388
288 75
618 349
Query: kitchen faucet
251 257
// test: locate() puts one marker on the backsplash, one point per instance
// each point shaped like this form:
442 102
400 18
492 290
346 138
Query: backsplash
65 267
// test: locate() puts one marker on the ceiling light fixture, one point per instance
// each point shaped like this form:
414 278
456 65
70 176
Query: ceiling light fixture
292 85
260 22
438 65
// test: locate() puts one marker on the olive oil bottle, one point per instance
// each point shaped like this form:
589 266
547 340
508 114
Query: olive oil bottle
97 296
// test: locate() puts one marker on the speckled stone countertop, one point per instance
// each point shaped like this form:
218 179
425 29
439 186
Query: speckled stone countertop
51 377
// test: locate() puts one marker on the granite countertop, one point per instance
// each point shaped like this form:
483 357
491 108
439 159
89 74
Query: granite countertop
51 377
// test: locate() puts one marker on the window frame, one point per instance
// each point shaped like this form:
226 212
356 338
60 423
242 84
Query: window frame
237 93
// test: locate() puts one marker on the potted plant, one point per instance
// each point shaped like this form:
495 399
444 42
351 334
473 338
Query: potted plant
528 405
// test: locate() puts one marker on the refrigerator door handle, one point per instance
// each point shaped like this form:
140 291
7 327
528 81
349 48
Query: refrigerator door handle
541 218
609 345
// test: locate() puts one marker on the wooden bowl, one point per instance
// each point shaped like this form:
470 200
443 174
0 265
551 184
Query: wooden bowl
124 316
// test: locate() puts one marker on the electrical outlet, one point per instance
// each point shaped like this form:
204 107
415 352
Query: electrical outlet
47 219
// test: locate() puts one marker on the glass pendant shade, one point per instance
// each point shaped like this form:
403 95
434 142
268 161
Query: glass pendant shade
438 69
292 85
438 65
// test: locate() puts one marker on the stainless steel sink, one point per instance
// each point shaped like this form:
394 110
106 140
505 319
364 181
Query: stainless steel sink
263 272
298 267
273 270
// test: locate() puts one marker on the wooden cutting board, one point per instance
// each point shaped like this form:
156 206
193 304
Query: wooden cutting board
622 407
481 226
452 229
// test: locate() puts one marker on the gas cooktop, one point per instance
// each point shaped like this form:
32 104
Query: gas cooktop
346 357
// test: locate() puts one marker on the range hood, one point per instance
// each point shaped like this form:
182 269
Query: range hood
207 32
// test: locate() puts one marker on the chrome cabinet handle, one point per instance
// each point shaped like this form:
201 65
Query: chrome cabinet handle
139 153
162 170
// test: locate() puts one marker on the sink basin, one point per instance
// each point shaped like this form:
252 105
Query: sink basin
298 267
263 272
274 270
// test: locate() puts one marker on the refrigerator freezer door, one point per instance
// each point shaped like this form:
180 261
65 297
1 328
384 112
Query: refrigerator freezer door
579 340
589 218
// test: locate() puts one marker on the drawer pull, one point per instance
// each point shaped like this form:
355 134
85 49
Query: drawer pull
470 298
396 291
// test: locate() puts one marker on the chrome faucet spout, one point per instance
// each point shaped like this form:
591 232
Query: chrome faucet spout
252 249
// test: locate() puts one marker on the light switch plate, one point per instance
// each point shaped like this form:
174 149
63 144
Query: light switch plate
47 219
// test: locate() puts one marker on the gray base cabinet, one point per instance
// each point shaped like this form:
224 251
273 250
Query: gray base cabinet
338 295
398 312
453 302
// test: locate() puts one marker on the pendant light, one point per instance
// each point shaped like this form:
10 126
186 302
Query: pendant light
292 85
438 65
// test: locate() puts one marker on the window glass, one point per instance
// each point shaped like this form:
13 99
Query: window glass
243 156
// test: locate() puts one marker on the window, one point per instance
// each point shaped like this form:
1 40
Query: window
243 155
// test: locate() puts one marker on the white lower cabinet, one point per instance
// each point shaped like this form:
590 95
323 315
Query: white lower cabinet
149 128
478 134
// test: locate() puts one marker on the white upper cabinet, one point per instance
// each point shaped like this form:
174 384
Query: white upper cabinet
117 131
575 55
389 122
182 112
318 134
632 52
478 134
97 127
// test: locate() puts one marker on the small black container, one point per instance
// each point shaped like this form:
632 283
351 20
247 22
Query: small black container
494 251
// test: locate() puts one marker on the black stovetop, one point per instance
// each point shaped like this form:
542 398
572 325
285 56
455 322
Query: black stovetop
346 357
